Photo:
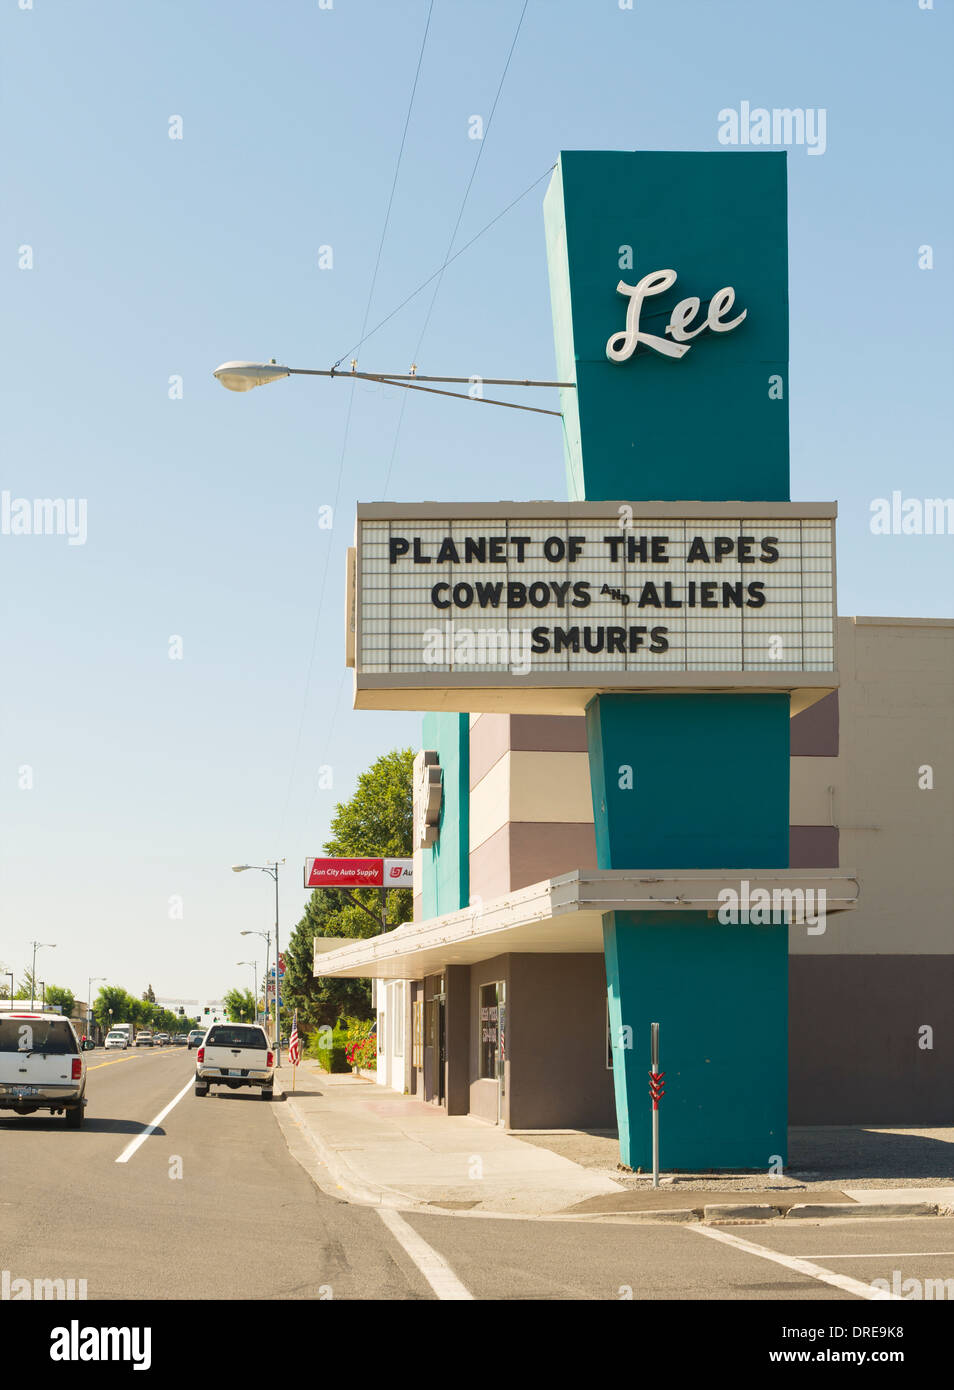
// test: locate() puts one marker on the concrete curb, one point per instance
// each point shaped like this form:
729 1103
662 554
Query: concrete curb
808 1211
358 1190
345 1176
732 1211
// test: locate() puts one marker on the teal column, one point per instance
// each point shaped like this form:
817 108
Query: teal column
714 424
695 782
446 885
688 781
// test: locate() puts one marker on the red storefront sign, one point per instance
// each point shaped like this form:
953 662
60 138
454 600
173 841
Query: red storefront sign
358 873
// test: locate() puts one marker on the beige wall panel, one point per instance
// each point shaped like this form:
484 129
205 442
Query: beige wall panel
490 803
489 740
810 801
550 787
896 704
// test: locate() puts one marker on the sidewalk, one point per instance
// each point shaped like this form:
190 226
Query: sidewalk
390 1150
381 1148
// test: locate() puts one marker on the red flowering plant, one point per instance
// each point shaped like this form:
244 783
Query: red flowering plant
363 1053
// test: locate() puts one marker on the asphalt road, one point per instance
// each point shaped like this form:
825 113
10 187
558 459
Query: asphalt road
213 1205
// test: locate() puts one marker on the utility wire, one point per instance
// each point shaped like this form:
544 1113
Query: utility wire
347 428
470 181
448 258
441 268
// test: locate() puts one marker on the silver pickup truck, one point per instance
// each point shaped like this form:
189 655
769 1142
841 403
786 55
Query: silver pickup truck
235 1055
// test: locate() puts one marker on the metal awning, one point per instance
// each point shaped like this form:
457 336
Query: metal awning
564 915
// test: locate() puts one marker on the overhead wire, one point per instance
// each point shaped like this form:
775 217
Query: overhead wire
347 428
448 258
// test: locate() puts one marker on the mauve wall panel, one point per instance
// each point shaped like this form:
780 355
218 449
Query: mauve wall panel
548 733
556 1019
814 732
490 866
855 1025
813 847
540 850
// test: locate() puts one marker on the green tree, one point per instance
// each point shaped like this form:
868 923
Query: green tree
123 1007
376 821
27 988
240 1004
148 995
60 1000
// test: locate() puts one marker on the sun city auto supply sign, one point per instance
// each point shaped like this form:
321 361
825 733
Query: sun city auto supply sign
359 873
596 595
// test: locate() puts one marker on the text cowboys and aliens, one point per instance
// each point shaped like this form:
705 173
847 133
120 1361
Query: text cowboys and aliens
517 594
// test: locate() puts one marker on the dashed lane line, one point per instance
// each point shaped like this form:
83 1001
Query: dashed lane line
140 1139
800 1266
134 1058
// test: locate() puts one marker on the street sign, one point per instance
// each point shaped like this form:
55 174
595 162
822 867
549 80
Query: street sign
359 873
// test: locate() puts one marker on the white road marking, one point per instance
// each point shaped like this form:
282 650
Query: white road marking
131 1148
890 1255
825 1276
434 1267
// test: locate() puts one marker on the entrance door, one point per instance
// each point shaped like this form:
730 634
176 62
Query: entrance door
441 1000
501 1048
493 1038
435 1049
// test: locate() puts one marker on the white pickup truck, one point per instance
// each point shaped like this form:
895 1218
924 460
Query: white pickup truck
41 1066
235 1055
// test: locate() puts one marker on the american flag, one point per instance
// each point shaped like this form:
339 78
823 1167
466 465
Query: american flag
294 1046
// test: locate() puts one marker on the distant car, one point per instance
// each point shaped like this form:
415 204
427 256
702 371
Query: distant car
41 1066
195 1037
144 1038
235 1055
117 1040
162 1039
180 1038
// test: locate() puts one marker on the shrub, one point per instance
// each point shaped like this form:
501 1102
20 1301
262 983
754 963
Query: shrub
329 1058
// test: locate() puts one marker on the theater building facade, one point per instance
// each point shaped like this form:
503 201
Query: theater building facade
661 781
494 927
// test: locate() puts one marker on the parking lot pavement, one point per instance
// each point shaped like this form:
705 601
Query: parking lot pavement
912 1260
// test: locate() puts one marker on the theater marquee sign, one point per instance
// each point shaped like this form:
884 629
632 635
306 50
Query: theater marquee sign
537 606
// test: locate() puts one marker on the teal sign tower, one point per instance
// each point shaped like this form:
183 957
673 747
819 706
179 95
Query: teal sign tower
669 287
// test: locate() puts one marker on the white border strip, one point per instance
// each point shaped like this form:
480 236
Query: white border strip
434 1267
813 1271
131 1148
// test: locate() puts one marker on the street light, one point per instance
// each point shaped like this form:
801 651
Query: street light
272 869
37 946
267 938
254 965
244 376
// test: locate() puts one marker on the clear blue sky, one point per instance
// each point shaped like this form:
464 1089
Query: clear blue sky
155 257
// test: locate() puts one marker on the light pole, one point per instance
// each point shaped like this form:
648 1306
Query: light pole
93 980
37 945
270 868
243 376
267 938
254 965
